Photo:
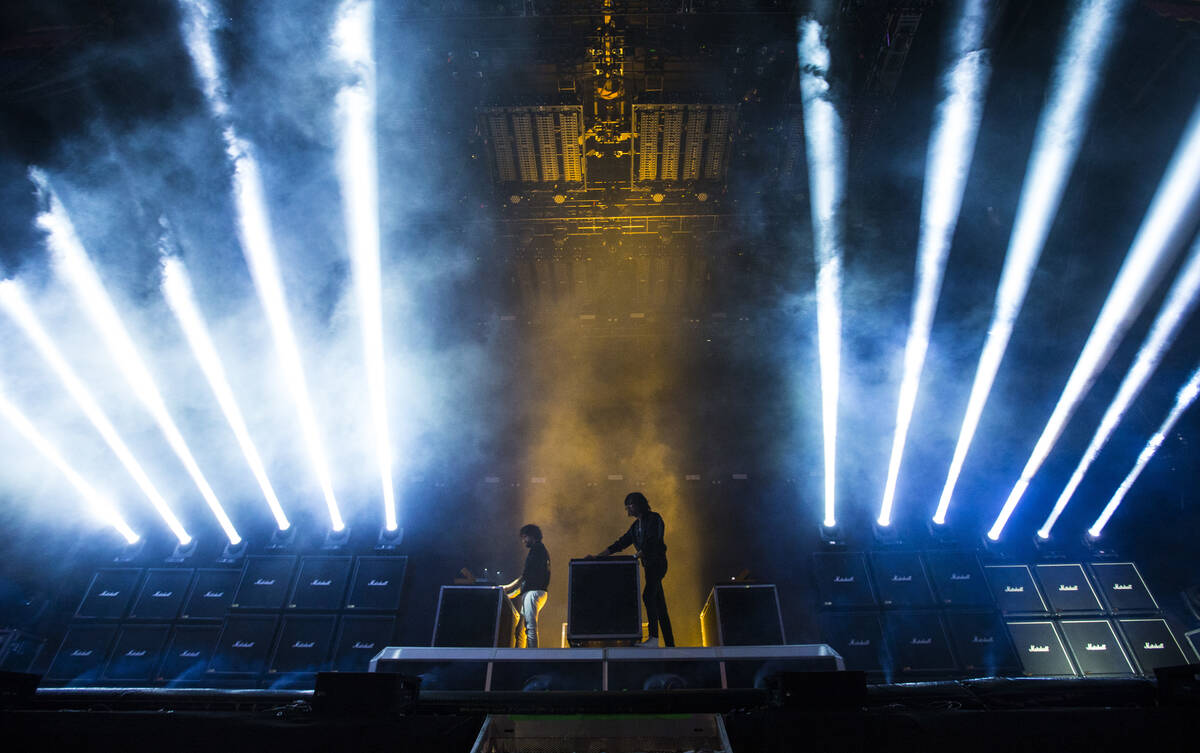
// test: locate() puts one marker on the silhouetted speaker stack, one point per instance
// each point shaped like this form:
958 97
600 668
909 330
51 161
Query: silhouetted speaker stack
276 620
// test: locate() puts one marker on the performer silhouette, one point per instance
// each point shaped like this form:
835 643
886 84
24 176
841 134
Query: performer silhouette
646 536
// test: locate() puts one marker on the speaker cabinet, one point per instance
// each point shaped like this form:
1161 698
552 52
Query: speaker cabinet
552 669
662 669
1123 589
1041 649
755 666
981 643
244 645
188 653
265 584
304 644
161 595
1068 589
474 616
82 654
1015 591
858 639
918 643
958 580
377 584
19 650
742 615
900 580
1193 640
842 581
109 594
604 600
137 653
321 584
1152 644
359 639
1097 650
211 594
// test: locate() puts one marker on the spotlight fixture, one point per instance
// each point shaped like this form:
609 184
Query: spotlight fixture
183 552
389 541
657 197
282 539
886 536
233 553
131 551
336 540
831 537
1048 548
559 198
943 535
1099 548
702 196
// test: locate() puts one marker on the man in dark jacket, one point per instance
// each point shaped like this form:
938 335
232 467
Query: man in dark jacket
646 536
531 587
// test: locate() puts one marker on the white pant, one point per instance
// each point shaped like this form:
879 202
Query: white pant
532 603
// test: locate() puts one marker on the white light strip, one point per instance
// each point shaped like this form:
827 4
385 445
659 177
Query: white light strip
258 246
826 175
72 263
1060 134
13 301
1163 231
100 507
946 168
1183 401
358 163
177 289
1180 303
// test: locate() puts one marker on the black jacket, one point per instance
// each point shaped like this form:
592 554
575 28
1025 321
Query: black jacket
647 539
536 575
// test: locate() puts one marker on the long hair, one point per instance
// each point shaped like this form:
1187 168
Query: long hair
639 502
529 529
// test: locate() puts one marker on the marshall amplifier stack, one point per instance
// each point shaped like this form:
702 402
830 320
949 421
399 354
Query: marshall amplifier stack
276 620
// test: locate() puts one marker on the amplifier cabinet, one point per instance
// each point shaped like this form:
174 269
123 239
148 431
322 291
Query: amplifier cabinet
109 594
161 595
604 600
211 594
958 580
474 616
266 583
1015 591
1068 589
1097 650
1123 589
742 615
918 643
137 653
360 638
304 644
244 645
858 638
578 669
1152 644
321 584
188 653
377 584
1193 640
1041 649
842 580
981 643
19 650
82 654
900 580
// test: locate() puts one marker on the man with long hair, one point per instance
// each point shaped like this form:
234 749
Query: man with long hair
646 535
531 587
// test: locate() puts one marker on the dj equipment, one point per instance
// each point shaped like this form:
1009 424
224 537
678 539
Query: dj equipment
479 616
742 615
842 580
1041 649
108 594
1015 591
161 595
1097 650
900 580
211 594
1068 589
603 600
320 584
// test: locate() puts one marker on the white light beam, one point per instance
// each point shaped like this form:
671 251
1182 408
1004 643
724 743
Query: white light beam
1183 400
13 300
826 175
1180 303
1163 232
258 245
177 289
946 167
101 507
358 163
72 263
1059 136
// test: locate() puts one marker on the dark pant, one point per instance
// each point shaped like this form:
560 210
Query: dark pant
656 602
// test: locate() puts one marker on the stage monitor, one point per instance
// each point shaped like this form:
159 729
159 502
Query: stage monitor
109 594
137 653
321 584
244 645
474 616
1152 644
1124 590
211 594
304 645
188 653
1041 649
918 643
265 584
82 654
577 669
359 639
742 615
377 584
604 600
1097 650
1015 591
662 669
161 595
981 643
842 580
858 638
958 580
900 580
1068 589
